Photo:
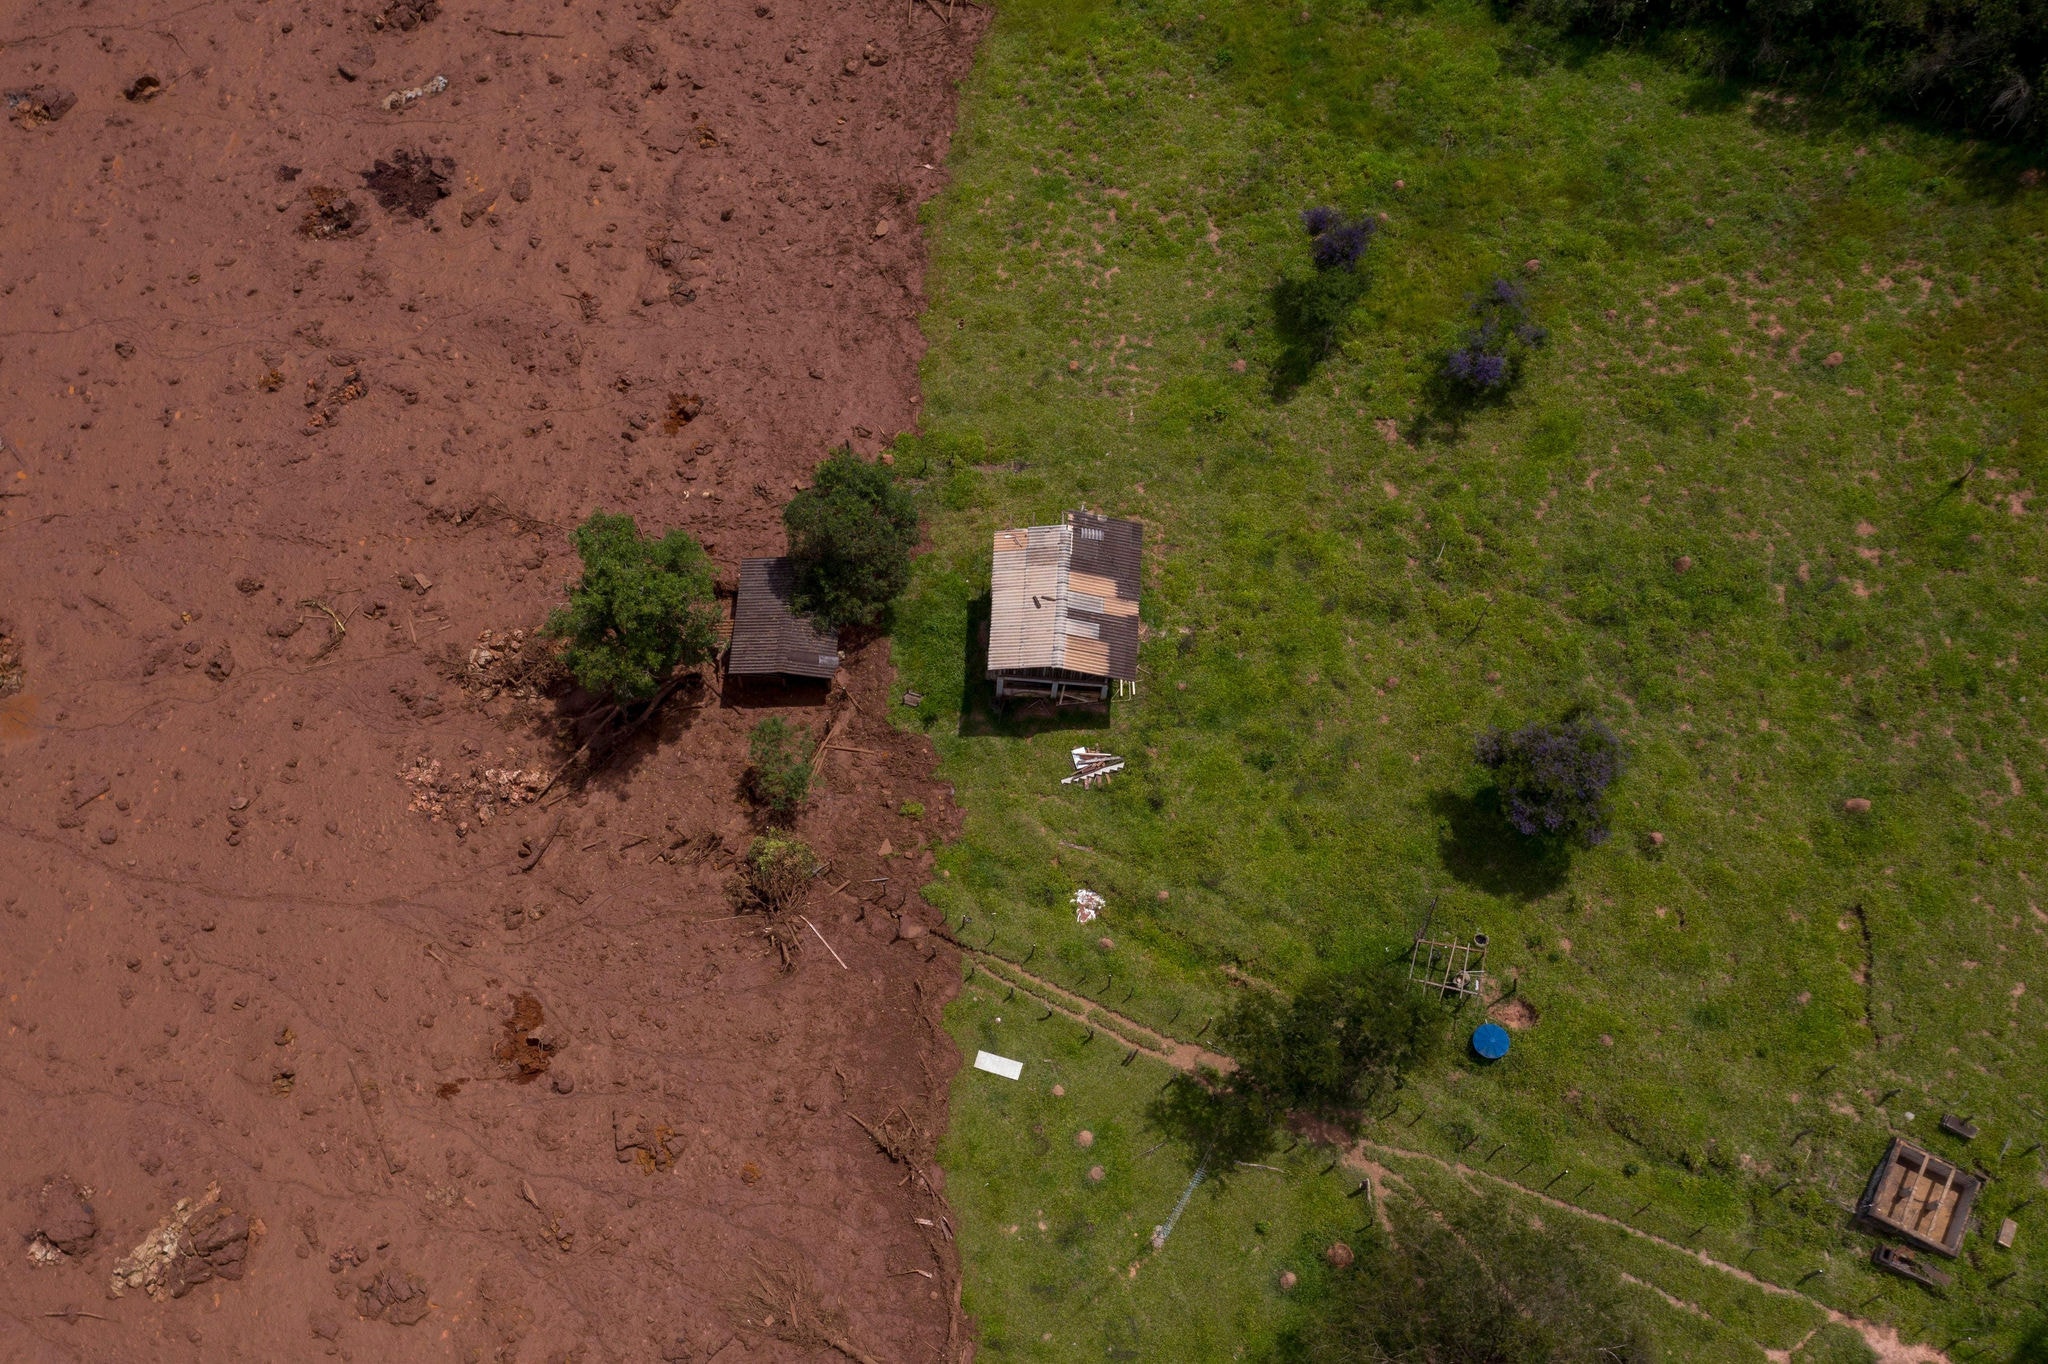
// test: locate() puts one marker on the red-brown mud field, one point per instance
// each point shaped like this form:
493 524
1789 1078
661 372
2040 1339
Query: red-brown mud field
326 1033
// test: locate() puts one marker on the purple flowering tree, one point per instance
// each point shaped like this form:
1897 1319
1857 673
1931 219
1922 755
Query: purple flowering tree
1490 357
1312 310
1338 242
1553 779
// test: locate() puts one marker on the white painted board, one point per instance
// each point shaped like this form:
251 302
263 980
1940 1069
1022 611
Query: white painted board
998 1065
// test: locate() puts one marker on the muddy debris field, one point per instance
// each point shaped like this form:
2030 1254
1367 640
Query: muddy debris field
332 1029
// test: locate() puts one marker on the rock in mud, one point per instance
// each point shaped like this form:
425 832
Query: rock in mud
654 1146
392 1295
64 1216
407 15
202 1239
332 215
521 1042
38 104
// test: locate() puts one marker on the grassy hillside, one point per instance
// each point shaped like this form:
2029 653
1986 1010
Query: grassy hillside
1764 502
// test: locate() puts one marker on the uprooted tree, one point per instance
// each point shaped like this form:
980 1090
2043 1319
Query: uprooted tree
774 880
779 871
851 535
642 608
1323 1055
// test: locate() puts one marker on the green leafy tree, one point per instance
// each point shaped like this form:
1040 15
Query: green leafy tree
1324 1054
641 609
851 535
779 764
1472 1283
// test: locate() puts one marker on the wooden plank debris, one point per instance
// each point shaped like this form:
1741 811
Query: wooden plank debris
1092 767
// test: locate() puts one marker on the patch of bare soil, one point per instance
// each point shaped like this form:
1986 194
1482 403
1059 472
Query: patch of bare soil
489 1068
1514 1013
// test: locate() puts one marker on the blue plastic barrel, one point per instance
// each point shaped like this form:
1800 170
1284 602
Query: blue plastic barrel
1490 1040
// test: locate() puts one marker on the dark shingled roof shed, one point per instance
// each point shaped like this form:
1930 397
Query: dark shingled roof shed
768 637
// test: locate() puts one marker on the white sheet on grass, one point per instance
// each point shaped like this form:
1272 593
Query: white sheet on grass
998 1065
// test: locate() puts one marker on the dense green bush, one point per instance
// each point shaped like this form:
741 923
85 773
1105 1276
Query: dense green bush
779 764
1471 1284
1976 64
851 535
1324 1054
642 608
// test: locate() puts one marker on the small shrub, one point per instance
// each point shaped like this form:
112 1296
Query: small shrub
1490 360
1553 779
911 809
641 609
851 535
779 871
779 764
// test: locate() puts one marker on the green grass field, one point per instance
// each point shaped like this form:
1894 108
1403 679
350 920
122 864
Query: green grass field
1764 502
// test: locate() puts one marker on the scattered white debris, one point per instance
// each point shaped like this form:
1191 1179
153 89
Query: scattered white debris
1092 766
998 1065
1087 904
397 100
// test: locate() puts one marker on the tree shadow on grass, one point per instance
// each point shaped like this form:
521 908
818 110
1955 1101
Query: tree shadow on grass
1447 405
1479 848
1309 313
1304 339
982 715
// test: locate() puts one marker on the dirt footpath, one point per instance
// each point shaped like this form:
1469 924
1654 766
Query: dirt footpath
326 1034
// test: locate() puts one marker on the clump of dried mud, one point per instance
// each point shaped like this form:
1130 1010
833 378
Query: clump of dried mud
411 182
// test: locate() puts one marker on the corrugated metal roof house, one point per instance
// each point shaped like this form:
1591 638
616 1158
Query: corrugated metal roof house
1063 609
768 637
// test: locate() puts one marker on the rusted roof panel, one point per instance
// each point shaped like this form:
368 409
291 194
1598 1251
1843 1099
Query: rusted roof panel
768 637
1067 597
